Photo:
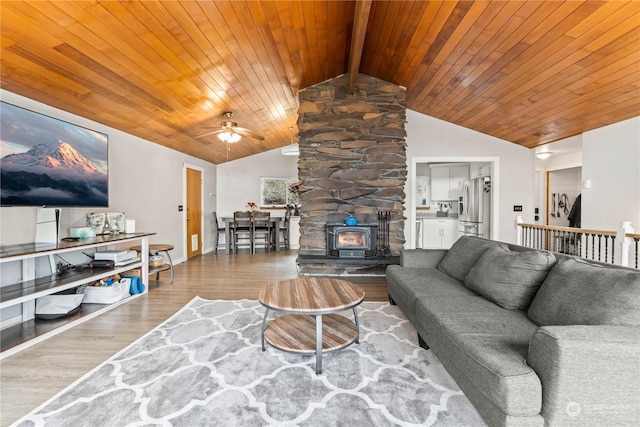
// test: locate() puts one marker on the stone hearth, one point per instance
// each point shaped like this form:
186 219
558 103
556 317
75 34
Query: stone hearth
352 158
317 265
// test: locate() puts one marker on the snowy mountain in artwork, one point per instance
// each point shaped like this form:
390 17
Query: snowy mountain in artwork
58 160
55 175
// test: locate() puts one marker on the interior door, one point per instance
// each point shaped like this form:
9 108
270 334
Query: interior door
194 213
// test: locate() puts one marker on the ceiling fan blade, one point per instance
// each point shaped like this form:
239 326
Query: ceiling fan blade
211 133
249 133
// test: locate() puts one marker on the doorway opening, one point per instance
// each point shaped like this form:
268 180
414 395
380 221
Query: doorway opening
420 187
563 190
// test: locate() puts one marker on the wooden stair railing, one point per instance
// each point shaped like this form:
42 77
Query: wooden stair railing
597 245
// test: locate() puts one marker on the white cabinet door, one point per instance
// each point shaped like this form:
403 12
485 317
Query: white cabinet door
431 238
445 180
457 173
440 183
449 234
294 232
439 233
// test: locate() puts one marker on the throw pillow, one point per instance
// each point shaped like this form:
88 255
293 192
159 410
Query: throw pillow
510 279
577 292
464 254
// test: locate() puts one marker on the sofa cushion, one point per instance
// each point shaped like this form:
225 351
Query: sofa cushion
464 254
406 285
577 292
510 279
488 344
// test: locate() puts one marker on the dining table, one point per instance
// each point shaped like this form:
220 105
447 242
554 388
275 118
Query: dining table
228 225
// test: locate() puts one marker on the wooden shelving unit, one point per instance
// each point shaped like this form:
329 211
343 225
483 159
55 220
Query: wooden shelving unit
25 292
36 288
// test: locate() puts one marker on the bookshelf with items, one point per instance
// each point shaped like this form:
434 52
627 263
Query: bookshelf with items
31 271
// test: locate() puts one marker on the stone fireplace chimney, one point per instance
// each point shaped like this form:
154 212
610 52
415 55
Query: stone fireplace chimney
352 157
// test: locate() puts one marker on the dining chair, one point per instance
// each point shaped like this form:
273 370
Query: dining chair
242 229
261 231
217 231
283 229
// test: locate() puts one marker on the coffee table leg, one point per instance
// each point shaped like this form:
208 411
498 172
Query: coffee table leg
318 344
264 325
355 317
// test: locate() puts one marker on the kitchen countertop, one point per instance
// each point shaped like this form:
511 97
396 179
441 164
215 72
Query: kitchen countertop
433 215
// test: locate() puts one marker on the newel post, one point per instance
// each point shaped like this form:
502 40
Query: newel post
625 242
519 229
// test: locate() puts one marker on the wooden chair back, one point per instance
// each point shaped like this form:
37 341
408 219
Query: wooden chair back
242 220
262 219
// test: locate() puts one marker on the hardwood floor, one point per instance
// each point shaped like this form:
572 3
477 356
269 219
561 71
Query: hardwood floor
32 376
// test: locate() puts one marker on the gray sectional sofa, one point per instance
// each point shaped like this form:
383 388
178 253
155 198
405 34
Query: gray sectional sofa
531 337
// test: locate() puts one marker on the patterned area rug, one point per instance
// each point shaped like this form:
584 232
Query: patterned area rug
204 367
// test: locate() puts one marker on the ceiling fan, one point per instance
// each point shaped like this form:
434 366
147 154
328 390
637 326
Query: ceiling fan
230 132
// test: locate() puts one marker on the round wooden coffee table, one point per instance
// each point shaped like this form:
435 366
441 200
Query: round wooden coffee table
310 324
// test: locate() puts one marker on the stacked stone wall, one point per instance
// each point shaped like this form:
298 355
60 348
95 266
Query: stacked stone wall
352 157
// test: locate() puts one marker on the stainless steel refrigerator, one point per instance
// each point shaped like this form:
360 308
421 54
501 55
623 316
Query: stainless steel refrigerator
474 207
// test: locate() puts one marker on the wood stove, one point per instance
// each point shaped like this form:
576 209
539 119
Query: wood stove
358 241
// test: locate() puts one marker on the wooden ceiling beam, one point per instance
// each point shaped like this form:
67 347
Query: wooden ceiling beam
360 20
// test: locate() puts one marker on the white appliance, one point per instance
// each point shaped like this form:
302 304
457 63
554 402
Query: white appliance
474 207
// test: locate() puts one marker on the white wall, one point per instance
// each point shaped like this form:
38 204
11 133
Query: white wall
611 161
239 180
434 138
145 182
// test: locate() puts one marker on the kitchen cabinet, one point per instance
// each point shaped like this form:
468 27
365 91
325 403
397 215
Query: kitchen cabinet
439 233
445 179
294 232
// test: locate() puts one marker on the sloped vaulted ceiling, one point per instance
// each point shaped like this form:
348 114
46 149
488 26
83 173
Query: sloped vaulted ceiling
530 72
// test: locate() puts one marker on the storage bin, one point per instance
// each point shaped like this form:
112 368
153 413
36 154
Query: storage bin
156 261
107 294
61 304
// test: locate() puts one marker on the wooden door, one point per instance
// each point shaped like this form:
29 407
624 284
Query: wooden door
194 213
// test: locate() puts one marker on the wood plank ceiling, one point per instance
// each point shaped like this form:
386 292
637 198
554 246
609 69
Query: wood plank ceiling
529 72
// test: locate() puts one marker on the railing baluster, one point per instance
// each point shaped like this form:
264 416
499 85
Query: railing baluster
613 249
599 247
588 244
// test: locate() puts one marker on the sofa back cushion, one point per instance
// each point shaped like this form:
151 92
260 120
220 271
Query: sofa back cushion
464 254
509 279
577 292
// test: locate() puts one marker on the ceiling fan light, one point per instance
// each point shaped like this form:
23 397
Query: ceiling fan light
543 155
230 137
291 150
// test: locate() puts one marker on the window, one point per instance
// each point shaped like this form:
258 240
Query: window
278 192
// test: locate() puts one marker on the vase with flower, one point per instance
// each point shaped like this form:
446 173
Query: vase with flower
252 206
